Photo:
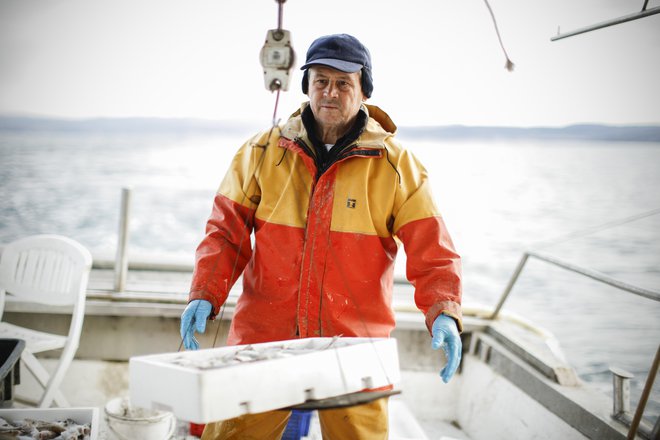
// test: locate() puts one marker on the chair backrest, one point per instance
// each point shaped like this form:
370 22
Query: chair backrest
47 269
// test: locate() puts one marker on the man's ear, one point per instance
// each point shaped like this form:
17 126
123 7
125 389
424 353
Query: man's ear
305 82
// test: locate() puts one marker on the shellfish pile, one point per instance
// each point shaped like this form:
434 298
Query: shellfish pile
249 353
29 429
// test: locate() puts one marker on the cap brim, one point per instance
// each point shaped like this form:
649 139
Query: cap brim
344 66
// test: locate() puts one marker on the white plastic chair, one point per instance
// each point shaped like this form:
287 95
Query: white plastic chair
51 270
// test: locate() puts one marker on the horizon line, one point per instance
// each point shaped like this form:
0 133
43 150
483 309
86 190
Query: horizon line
209 120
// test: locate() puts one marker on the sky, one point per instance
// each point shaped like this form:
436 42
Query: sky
436 62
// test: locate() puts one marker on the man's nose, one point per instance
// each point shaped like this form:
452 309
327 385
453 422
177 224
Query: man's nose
331 90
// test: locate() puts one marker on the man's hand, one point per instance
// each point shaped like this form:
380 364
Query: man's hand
445 336
194 319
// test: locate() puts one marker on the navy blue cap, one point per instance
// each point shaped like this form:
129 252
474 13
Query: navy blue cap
340 51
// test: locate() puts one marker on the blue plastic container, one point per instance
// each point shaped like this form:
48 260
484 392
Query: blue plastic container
298 425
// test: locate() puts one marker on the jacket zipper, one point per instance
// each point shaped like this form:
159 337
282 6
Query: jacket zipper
305 147
309 151
349 151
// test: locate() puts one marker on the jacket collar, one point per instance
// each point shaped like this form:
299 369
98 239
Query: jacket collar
379 127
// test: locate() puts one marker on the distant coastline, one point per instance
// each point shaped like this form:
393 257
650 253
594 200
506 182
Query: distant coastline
585 132
122 125
594 132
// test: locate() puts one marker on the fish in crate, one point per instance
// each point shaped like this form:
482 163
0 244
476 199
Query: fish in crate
220 383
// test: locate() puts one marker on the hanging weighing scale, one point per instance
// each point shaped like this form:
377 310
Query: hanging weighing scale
277 58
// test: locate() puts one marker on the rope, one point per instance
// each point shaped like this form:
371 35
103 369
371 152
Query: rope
243 236
509 64
588 231
277 101
274 124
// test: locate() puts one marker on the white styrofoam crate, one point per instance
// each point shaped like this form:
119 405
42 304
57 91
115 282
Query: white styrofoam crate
78 415
331 367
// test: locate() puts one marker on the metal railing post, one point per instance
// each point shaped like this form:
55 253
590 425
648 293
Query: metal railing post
621 394
121 260
509 286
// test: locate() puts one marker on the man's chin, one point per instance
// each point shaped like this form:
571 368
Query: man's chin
328 117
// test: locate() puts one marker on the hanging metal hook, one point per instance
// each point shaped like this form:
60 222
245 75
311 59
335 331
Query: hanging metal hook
280 13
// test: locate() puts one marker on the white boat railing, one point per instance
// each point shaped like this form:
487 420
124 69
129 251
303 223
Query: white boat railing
121 260
598 276
621 410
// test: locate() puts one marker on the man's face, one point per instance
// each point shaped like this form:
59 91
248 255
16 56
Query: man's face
335 97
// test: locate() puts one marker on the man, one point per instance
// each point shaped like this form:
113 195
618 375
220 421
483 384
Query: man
325 195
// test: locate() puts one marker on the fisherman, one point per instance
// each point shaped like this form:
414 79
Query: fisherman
327 195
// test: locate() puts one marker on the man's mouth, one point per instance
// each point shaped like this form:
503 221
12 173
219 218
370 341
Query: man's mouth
329 105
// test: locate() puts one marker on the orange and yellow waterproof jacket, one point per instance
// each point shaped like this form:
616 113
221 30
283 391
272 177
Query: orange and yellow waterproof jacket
322 261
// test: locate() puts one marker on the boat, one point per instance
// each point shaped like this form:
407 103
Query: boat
513 381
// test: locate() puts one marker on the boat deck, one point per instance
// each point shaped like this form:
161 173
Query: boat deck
506 364
92 383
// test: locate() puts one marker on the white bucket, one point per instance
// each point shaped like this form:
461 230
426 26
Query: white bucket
127 423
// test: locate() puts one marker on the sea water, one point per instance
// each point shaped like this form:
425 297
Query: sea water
499 198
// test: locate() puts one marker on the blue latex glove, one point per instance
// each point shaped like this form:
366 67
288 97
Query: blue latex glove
445 336
194 319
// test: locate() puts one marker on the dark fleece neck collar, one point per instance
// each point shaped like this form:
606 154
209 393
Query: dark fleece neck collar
324 157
